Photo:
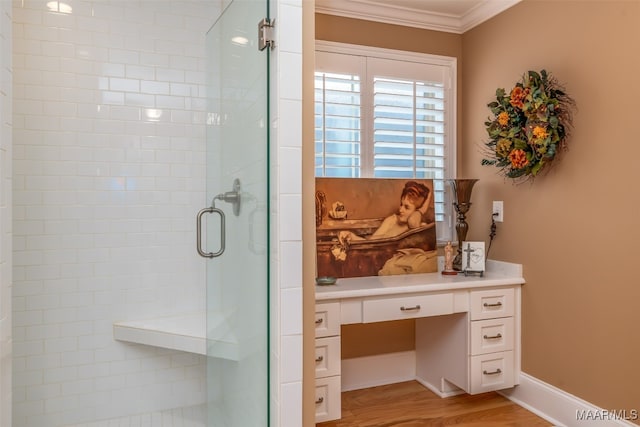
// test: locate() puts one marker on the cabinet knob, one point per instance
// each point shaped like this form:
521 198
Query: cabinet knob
496 372
319 400
403 308
319 321
319 359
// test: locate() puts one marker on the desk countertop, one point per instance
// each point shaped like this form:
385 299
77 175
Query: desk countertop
497 273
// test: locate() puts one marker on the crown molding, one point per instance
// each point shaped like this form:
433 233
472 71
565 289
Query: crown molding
393 14
485 10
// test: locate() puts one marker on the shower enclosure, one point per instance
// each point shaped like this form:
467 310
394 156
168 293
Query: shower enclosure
233 225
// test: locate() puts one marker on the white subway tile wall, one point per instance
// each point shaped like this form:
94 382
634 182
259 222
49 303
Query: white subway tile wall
108 148
6 122
195 416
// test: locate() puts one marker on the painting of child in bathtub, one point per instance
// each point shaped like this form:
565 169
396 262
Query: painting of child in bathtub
375 227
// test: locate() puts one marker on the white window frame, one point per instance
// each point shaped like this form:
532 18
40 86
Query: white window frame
446 230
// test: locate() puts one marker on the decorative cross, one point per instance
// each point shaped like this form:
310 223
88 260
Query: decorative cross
468 251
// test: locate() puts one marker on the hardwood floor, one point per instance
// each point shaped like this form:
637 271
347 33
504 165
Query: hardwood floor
409 404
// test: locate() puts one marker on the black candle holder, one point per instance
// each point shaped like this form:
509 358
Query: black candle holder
462 203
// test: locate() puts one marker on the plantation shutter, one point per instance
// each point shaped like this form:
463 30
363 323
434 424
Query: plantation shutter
409 123
338 116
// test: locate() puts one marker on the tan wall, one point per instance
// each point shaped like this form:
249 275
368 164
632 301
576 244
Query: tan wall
575 228
388 36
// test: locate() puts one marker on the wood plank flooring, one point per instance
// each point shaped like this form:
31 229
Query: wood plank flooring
409 404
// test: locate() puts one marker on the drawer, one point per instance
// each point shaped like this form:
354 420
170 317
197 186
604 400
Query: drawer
492 335
327 319
328 399
407 307
327 356
492 303
490 372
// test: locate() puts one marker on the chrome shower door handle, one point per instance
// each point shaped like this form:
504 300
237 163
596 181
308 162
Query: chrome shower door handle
199 232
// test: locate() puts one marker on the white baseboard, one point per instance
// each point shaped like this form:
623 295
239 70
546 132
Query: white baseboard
372 371
563 409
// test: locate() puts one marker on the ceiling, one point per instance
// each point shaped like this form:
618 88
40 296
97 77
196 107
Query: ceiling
454 16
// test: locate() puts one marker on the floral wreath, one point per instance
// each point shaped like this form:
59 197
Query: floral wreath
530 127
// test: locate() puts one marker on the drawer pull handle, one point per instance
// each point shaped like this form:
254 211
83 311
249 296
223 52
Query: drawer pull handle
492 337
319 321
319 400
417 307
496 372
319 359
498 304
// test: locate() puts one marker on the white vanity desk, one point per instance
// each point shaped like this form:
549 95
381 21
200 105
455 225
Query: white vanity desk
467 328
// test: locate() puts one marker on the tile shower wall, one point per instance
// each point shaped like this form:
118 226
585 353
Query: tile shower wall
5 212
108 148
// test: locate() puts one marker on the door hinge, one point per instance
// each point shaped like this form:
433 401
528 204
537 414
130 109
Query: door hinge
266 34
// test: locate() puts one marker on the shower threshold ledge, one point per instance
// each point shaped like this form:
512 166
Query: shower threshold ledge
185 332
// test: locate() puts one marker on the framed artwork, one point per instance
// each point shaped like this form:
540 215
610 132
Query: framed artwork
372 226
473 256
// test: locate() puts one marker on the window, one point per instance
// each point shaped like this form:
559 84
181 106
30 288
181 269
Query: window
386 114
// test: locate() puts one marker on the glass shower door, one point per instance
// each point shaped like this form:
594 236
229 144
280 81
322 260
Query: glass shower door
234 226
